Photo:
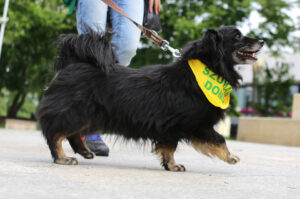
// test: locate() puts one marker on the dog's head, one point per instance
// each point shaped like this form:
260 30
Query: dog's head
226 44
221 49
240 49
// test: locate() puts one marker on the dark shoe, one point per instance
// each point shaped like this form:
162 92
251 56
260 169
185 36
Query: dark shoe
98 147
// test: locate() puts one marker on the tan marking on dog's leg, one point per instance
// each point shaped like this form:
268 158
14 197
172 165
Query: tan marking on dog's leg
166 155
59 148
62 158
219 150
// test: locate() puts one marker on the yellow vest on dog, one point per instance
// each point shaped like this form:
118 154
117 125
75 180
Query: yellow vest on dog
215 88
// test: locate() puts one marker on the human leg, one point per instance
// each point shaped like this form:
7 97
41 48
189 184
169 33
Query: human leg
92 14
126 35
95 143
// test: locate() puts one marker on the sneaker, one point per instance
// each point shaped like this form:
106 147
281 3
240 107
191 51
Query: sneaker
96 145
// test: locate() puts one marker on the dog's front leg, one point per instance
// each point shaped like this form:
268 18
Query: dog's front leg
166 155
211 143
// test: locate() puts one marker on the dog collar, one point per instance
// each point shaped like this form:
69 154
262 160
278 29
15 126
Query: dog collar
215 88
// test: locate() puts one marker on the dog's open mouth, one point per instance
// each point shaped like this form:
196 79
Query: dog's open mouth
248 54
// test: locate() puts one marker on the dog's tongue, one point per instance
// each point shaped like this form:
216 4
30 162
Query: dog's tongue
249 54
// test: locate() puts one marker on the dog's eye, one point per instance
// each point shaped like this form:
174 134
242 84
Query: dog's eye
238 36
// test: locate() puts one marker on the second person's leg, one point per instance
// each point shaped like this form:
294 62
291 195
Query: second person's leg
126 35
92 14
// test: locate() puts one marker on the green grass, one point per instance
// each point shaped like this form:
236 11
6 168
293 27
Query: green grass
2 124
230 138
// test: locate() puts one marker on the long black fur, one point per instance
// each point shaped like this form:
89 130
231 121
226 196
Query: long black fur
162 103
82 48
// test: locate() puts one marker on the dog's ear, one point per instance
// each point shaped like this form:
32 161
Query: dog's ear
210 45
214 40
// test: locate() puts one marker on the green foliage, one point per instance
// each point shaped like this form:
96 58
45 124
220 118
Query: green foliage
3 102
233 106
27 110
274 95
28 51
184 21
277 25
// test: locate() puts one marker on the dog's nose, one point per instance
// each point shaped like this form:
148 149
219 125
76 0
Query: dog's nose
261 42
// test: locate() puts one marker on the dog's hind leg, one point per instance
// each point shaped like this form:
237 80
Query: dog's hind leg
78 146
166 155
211 143
58 154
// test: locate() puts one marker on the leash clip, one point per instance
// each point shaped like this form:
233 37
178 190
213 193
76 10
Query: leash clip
166 47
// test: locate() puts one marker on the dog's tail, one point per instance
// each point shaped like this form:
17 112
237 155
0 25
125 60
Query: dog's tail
92 47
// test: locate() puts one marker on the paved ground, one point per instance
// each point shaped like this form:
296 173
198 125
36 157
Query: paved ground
131 171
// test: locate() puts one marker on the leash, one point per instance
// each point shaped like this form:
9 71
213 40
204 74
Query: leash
150 34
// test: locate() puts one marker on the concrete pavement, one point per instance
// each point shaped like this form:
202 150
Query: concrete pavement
131 171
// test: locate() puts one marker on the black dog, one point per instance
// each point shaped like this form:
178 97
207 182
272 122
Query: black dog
163 104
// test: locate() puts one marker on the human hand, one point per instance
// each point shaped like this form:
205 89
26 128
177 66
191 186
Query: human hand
156 6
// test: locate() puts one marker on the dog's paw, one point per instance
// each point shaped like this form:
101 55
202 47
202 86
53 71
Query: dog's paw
176 168
233 159
87 154
66 161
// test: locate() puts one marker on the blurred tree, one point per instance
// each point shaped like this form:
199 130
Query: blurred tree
274 94
183 21
28 50
233 106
